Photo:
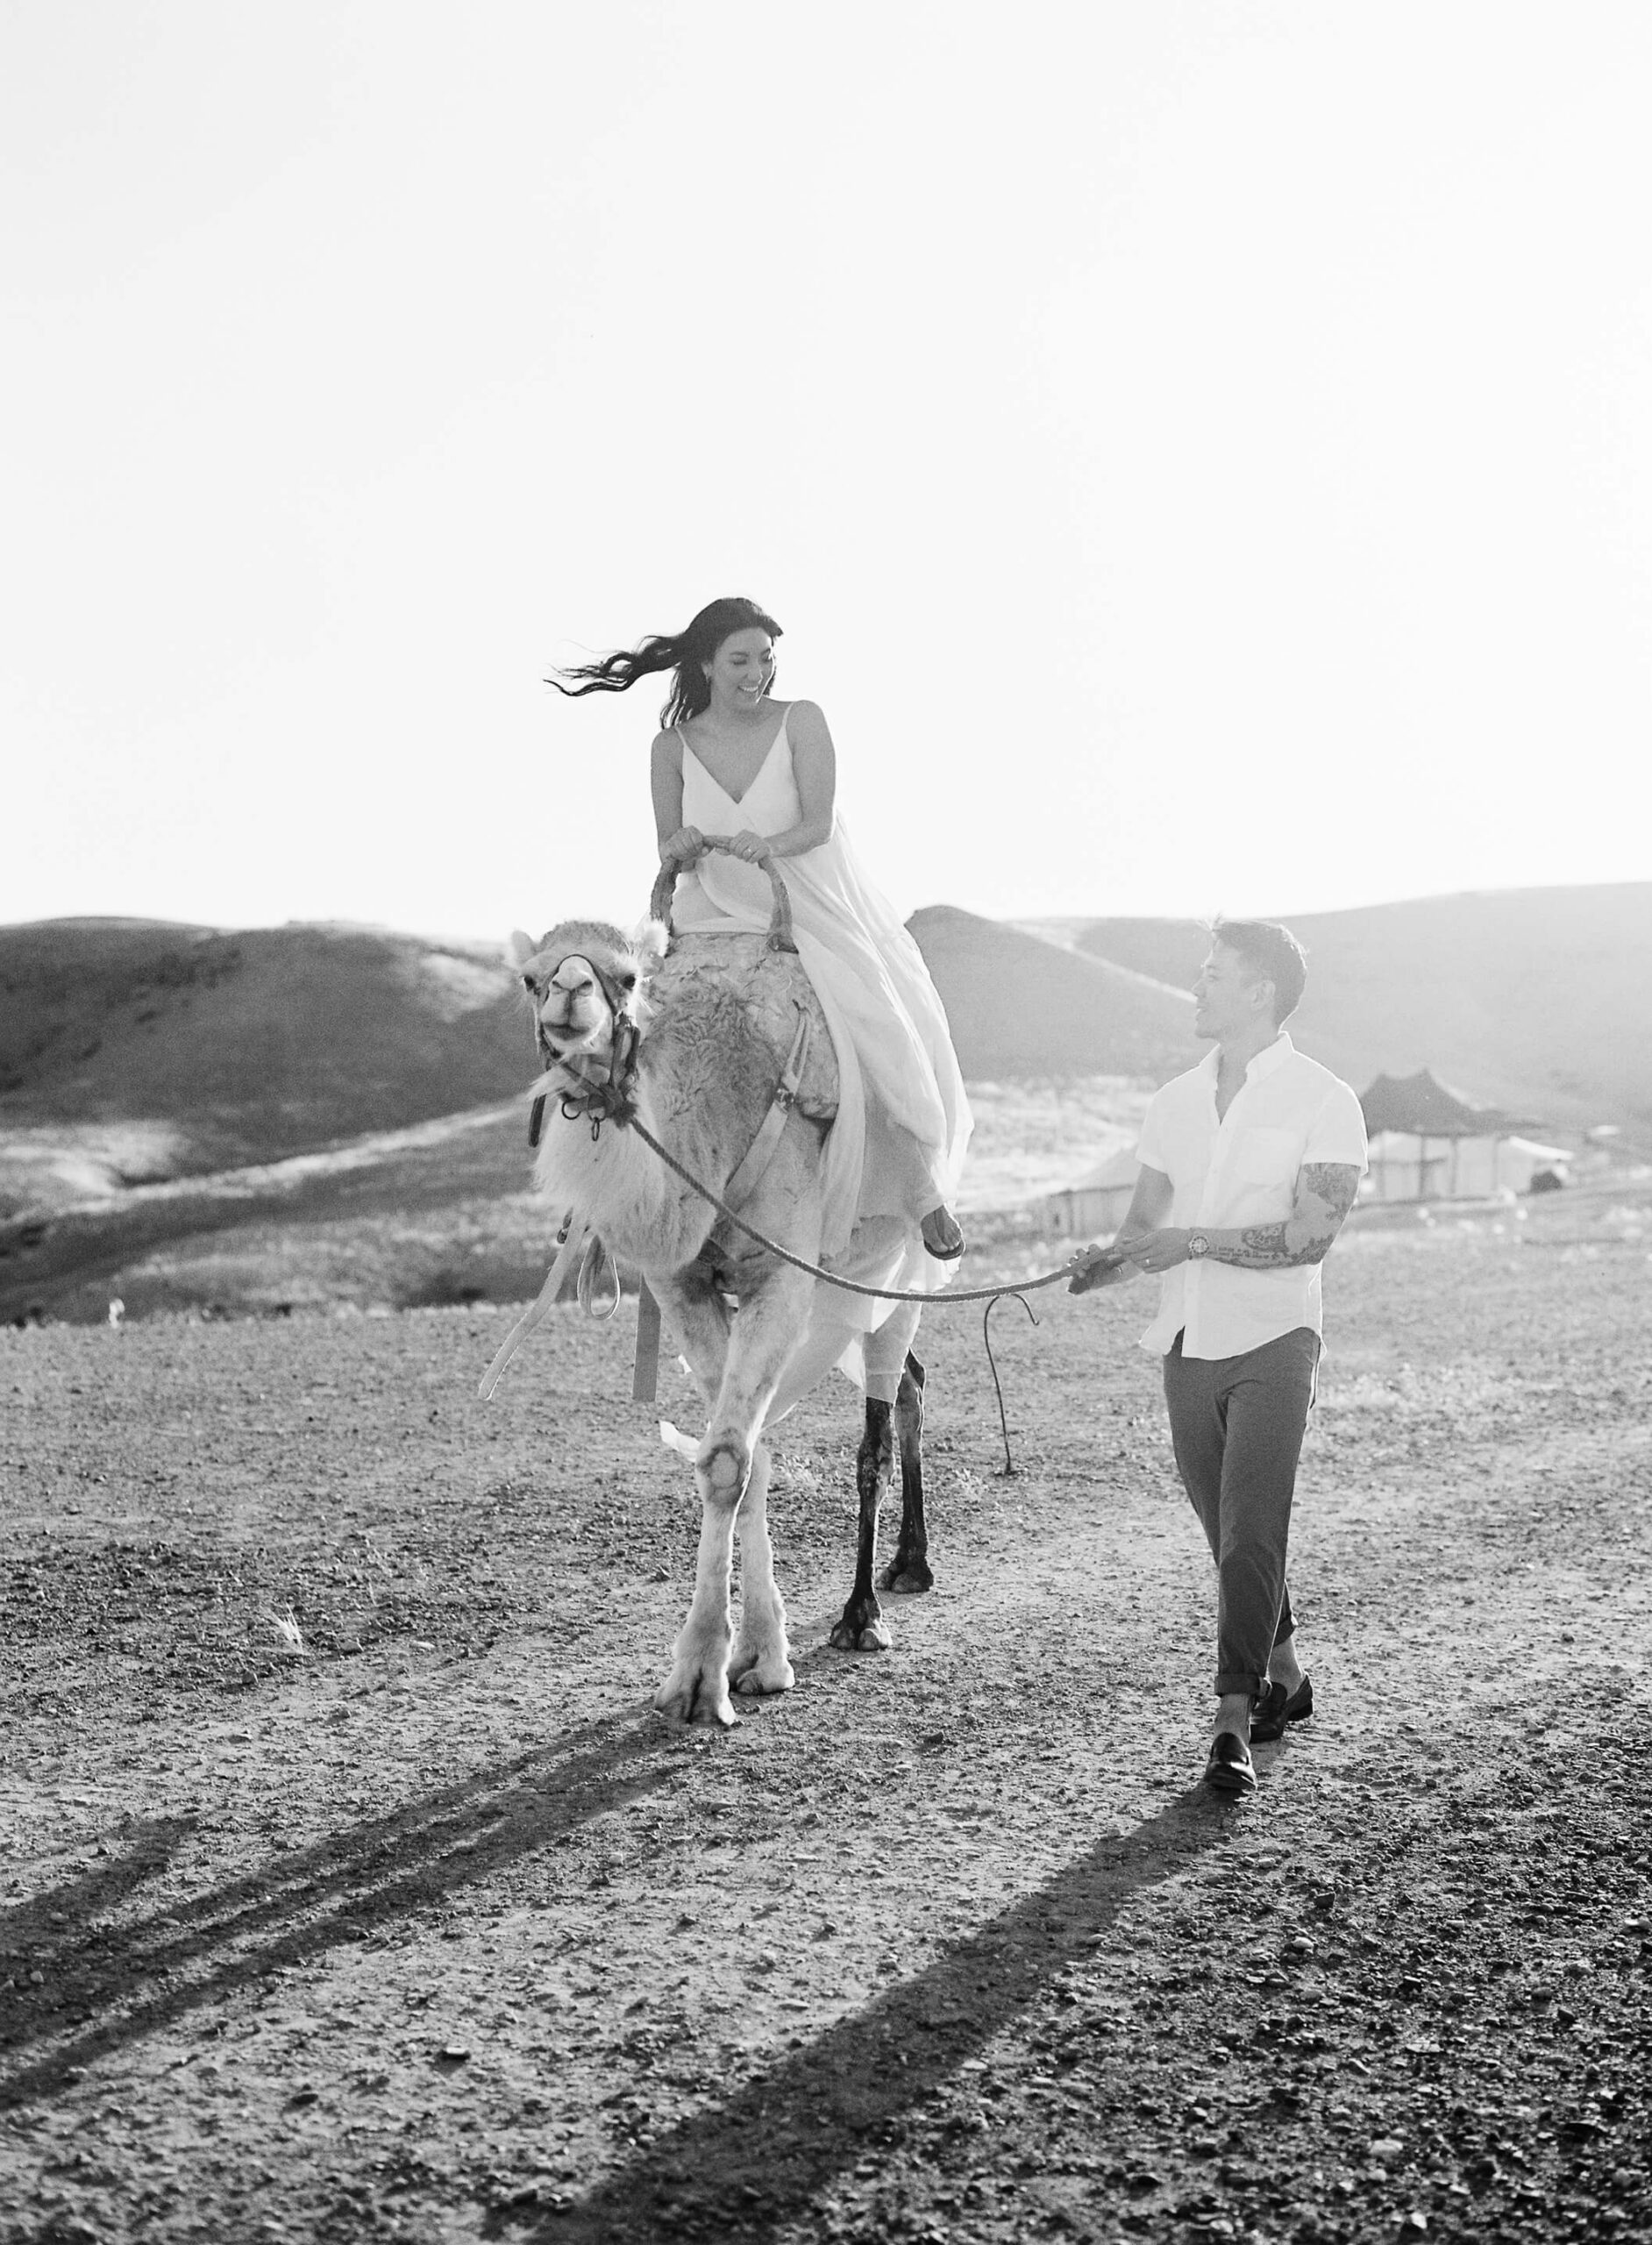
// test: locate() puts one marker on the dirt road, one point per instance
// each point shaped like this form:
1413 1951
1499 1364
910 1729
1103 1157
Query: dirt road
431 1931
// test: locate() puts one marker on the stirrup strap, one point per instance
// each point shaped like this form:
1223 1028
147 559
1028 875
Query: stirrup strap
760 1152
599 1269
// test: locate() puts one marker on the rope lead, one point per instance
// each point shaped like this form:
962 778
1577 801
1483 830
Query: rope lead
1014 1294
944 1300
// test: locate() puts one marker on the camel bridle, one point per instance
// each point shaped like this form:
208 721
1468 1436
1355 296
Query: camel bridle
604 1084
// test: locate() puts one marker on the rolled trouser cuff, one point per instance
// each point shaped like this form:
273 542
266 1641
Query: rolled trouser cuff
1230 1680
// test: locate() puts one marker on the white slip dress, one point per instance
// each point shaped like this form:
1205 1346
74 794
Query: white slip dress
897 1148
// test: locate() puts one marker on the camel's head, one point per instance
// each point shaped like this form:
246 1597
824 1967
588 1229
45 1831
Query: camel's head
584 981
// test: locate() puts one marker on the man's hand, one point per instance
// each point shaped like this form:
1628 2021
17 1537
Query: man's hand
1157 1251
1095 1266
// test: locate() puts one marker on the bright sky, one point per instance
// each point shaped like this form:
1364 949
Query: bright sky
1201 454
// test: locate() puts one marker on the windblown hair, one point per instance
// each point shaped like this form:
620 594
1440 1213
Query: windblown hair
1272 954
684 654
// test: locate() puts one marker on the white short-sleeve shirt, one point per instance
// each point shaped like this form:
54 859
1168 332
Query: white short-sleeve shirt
1241 1170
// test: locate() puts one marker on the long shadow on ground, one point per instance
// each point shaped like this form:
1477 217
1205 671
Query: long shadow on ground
741 2171
753 2166
114 1987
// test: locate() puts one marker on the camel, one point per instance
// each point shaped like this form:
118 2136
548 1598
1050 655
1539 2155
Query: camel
692 1036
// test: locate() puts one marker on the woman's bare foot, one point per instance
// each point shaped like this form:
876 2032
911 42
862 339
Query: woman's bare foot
942 1235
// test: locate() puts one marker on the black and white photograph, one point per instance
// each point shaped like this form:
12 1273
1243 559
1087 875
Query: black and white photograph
825 1122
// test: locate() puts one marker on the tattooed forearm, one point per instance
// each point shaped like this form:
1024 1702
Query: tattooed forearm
1263 1245
1324 1192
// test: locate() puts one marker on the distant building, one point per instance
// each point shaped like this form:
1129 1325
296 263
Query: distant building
1407 1167
1095 1206
1428 1145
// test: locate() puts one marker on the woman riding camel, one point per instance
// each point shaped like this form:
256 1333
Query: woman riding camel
732 764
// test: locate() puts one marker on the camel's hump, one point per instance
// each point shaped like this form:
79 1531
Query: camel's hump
733 994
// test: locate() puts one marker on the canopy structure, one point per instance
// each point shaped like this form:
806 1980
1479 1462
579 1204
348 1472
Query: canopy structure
1100 1200
1122 1168
1423 1106
1428 1145
1406 1166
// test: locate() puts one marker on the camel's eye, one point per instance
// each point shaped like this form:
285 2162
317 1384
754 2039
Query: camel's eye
531 986
626 981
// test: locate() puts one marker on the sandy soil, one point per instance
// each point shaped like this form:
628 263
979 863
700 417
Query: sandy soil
432 1931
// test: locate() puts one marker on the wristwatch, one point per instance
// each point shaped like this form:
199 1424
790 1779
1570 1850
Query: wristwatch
1197 1246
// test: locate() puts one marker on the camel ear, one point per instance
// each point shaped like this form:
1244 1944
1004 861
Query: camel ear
520 949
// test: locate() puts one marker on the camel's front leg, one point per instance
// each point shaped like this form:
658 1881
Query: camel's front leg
697 1688
774 1310
761 1660
733 1469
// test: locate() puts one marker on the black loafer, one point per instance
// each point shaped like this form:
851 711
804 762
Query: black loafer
1277 1707
1229 1769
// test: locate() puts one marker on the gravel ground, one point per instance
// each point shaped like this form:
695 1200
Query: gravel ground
425 1927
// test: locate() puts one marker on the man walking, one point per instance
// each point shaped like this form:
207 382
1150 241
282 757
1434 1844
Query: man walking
1249 1163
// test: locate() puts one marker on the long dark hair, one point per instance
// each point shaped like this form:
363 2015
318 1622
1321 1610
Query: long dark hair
684 654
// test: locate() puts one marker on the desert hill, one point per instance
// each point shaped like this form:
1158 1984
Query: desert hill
193 1113
162 1085
163 1051
176 1049
1020 1007
1537 1001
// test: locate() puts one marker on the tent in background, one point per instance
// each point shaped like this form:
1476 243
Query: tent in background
1096 1206
1428 1145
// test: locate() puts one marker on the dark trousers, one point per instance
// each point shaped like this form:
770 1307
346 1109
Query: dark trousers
1237 1424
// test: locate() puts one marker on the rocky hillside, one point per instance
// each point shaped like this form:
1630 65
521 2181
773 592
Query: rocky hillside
162 1049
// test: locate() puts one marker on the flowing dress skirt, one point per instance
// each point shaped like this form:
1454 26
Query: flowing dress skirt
897 1148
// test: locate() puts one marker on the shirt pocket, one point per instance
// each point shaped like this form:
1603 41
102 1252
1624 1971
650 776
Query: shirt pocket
1262 1158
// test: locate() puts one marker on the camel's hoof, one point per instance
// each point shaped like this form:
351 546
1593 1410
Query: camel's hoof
698 1699
909 1579
762 1679
865 1637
